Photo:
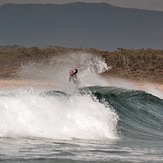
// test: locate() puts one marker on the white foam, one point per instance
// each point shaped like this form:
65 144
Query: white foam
26 114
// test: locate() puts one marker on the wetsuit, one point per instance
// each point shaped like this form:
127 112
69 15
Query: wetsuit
73 76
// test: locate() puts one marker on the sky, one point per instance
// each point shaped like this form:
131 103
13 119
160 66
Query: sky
140 4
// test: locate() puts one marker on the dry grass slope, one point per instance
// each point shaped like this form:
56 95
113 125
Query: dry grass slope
142 64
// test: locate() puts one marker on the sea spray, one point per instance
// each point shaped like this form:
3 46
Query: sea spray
57 70
28 114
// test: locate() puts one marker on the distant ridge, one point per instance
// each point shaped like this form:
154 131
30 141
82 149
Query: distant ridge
87 25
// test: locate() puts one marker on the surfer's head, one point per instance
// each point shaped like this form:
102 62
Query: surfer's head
71 72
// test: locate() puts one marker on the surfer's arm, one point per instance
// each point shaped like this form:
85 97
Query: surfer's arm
76 71
70 78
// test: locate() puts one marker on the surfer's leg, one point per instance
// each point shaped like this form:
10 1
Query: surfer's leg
74 81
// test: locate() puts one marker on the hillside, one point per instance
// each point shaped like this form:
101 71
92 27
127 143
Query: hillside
141 65
85 25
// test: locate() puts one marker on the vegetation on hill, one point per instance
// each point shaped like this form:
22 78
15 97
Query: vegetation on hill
142 64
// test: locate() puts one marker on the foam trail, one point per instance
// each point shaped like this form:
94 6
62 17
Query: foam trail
27 114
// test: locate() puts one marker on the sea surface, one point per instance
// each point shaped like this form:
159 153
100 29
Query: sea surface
94 121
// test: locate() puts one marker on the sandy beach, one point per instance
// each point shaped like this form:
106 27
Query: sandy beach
145 85
10 84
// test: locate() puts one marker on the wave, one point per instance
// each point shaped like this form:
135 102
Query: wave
96 112
140 114
55 115
86 111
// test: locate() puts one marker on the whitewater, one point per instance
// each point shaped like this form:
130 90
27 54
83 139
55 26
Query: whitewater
98 120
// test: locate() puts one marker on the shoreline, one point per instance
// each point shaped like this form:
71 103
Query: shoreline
17 83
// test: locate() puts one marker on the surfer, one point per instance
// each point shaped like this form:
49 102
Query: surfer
73 76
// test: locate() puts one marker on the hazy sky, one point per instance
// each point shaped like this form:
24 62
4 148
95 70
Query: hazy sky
142 4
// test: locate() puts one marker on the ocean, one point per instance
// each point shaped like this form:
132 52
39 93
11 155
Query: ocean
95 121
